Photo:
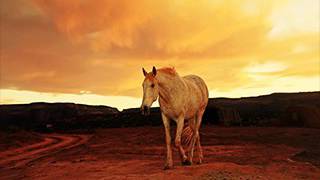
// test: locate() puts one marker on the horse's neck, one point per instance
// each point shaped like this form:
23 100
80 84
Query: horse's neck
169 88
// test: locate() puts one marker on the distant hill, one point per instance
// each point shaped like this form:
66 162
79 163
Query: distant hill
278 109
64 116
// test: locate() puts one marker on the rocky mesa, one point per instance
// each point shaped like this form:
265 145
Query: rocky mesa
278 109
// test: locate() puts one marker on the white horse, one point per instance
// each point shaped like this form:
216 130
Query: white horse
182 99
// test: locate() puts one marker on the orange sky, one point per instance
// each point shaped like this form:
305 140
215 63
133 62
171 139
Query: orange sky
92 51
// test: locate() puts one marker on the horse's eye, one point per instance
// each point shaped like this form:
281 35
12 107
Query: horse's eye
152 85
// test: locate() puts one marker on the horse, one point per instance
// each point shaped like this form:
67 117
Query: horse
181 99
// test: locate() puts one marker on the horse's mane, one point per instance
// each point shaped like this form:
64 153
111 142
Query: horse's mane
168 70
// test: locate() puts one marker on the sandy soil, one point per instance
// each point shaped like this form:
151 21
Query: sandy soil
138 153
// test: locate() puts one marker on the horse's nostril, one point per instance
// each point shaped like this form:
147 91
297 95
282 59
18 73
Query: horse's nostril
145 108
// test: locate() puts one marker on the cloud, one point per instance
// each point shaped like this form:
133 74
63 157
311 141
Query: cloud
99 46
135 29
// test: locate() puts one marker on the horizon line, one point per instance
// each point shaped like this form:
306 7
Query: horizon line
254 96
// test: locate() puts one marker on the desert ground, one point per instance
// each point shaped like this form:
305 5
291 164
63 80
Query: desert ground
139 153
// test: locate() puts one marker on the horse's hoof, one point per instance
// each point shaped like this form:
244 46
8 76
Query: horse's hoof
166 167
199 162
186 163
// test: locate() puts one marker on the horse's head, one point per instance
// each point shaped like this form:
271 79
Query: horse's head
150 90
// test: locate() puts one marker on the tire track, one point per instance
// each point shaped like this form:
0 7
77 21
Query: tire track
14 152
51 144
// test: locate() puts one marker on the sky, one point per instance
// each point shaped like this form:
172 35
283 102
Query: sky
92 51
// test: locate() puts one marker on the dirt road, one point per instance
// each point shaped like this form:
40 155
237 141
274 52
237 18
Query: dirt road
51 144
138 153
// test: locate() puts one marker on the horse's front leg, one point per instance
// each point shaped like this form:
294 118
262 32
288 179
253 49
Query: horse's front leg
180 123
166 123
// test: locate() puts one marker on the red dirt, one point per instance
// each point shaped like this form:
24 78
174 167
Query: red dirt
12 139
138 153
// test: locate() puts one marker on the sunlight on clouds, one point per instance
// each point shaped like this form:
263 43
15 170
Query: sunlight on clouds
295 17
280 84
270 66
93 51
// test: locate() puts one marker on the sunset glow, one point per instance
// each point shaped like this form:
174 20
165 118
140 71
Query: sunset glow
92 51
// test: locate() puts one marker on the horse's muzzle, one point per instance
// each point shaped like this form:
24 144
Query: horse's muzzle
145 110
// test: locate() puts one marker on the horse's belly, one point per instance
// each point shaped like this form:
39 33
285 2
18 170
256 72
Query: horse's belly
190 115
198 97
194 104
191 111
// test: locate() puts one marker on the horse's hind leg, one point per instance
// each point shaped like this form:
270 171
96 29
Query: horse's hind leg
199 150
180 123
198 124
193 139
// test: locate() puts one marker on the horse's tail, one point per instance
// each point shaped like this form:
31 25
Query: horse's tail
186 135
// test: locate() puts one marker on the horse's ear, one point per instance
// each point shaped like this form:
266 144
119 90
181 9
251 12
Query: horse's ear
144 72
154 71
